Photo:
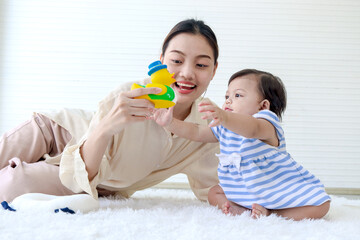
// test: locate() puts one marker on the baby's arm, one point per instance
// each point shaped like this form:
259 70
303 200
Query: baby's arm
192 131
242 124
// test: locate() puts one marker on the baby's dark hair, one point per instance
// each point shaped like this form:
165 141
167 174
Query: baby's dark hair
270 86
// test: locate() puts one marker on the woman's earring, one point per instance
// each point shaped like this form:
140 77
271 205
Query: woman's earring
202 97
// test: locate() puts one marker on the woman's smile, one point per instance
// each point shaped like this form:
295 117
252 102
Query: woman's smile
184 87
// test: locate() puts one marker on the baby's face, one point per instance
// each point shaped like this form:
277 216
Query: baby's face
243 95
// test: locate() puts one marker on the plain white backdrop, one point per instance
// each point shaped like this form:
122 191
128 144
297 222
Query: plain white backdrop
72 53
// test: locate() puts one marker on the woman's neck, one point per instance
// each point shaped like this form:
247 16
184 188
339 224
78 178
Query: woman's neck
181 111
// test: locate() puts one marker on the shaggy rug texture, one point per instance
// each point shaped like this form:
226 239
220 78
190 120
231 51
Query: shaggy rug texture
175 214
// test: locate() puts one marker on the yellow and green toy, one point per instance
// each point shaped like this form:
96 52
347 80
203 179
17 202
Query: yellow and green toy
160 78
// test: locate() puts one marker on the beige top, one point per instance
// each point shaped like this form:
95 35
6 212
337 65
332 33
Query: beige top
142 155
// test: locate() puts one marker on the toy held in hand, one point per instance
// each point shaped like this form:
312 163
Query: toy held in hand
160 78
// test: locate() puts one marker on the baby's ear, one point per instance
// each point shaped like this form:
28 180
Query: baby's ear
265 104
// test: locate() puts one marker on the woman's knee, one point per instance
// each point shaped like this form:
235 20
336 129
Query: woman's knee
13 181
20 177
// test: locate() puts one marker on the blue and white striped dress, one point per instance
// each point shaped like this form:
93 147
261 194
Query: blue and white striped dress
251 171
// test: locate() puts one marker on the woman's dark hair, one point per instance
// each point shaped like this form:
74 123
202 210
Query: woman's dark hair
270 86
195 27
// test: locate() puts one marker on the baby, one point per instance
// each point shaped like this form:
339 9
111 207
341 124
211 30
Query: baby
255 171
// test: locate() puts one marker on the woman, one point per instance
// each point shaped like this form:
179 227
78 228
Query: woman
118 150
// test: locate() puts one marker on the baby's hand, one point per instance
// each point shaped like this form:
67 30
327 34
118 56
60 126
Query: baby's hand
162 116
211 111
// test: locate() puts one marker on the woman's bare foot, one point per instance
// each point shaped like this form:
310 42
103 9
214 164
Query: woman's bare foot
233 209
258 210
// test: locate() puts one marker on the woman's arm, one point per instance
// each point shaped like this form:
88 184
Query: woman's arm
126 110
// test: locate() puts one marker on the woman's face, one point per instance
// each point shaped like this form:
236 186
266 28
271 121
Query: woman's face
191 58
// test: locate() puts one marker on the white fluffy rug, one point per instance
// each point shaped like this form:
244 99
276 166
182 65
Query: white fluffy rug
175 214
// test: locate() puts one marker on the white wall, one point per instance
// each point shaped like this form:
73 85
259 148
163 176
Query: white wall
71 53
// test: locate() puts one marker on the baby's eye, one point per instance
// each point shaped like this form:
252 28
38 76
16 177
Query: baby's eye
237 95
226 96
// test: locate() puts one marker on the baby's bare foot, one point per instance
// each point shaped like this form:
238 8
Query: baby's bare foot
225 207
258 210
233 209
237 210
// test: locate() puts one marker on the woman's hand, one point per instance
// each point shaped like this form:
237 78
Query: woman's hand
162 116
127 110
211 111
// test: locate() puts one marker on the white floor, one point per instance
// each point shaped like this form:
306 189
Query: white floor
175 214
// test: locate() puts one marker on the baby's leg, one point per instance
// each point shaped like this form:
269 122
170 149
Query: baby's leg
217 198
306 212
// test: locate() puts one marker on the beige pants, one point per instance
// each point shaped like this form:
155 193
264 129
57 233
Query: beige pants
21 168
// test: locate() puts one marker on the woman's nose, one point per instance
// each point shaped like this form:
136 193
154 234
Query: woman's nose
187 71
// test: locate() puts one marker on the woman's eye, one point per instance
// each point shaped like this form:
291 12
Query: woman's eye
176 61
201 65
